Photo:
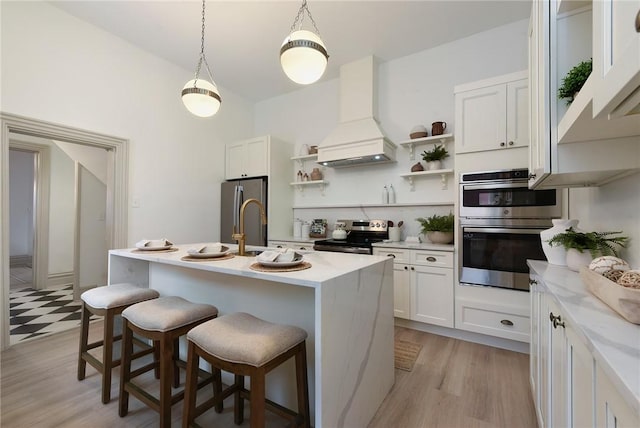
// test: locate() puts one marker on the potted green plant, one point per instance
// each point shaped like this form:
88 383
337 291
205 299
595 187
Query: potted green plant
438 228
434 157
574 80
582 247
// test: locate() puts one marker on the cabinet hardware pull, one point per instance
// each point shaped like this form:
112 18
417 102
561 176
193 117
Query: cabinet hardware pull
533 282
558 322
406 268
532 176
431 259
511 143
506 322
638 22
502 144
552 317
412 268
279 246
303 248
391 255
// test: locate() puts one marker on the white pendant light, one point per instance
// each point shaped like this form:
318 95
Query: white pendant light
303 55
200 96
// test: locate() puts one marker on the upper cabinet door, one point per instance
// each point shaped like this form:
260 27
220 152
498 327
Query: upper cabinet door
481 119
616 58
248 158
518 113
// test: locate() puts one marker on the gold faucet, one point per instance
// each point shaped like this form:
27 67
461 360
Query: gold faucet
240 237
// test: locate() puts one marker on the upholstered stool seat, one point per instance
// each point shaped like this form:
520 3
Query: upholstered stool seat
162 320
246 346
107 302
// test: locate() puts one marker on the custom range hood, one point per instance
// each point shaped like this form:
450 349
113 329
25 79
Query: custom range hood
358 139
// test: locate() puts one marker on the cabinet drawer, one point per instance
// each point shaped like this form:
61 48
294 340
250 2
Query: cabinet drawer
432 258
399 255
492 321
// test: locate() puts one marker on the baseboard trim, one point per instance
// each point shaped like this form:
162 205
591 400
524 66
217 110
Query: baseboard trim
468 336
22 260
61 278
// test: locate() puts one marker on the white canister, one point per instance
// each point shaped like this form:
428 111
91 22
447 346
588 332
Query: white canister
394 233
306 228
297 228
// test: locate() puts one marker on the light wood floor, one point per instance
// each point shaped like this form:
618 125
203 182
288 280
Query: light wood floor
453 384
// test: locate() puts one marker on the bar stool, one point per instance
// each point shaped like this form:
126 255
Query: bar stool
162 320
244 345
107 302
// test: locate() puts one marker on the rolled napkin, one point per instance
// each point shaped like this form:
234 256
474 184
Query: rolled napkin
153 243
206 249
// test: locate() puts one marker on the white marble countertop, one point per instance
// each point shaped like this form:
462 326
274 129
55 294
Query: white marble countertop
325 266
614 341
415 246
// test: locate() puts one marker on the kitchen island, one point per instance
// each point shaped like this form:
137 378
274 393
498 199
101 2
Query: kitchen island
344 302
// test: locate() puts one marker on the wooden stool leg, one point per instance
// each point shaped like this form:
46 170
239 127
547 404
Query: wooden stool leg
191 386
166 369
125 368
156 358
238 401
174 367
107 356
84 339
303 386
217 387
257 397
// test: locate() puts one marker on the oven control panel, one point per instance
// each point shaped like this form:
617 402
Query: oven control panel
366 225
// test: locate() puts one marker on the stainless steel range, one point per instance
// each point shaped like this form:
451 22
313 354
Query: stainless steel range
361 234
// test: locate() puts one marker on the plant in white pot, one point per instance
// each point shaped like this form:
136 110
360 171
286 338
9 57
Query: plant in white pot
435 156
582 247
438 228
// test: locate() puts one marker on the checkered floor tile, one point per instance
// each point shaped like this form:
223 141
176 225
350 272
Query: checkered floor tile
34 313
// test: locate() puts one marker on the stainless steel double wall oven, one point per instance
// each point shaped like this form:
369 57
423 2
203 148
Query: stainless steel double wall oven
500 224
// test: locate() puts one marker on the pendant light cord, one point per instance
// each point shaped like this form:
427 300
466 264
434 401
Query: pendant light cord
202 56
300 18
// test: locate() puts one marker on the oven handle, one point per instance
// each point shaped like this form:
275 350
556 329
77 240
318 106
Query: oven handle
511 185
502 230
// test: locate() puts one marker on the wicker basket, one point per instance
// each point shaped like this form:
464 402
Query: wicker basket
624 300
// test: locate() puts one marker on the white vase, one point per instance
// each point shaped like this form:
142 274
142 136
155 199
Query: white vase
433 165
576 259
556 255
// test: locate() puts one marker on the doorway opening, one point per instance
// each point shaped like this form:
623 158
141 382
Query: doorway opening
27 134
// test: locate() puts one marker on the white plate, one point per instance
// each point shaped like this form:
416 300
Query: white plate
282 264
166 247
225 251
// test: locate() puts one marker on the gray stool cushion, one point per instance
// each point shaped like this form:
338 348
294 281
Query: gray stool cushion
167 313
243 338
115 295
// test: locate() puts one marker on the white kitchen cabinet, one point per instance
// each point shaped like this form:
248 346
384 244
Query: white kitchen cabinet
401 280
423 284
612 411
306 246
608 146
563 376
432 295
248 158
492 114
616 58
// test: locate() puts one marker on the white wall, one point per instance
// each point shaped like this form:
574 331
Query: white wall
60 69
21 203
614 207
93 158
61 211
416 89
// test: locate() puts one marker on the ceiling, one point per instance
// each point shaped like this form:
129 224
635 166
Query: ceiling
243 38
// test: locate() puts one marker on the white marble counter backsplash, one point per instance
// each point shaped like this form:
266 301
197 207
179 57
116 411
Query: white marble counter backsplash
614 341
